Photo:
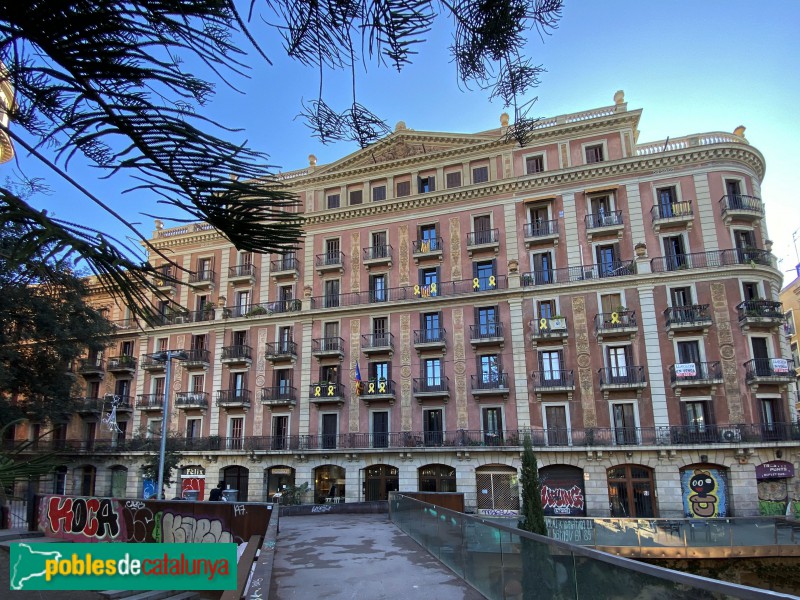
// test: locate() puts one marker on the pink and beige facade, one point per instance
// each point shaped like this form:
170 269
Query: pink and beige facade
615 301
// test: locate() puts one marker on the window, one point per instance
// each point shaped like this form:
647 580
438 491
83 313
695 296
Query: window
546 309
486 320
239 338
795 354
93 389
618 361
332 249
453 179
197 383
431 325
356 197
126 349
380 329
331 330
285 295
539 216
199 342
550 364
556 424
238 381
608 262
153 428
428 282
534 164
242 303
432 372
379 193
330 429
377 288
623 417
426 184
283 382
162 344
674 252
666 200
403 188
204 268
601 209
380 429
750 290
235 433
379 371
697 416
492 420
689 352
771 418
123 388
194 428
483 275
480 174
330 374
332 293
734 190
489 368
433 423
379 245
245 258
280 431
284 339
594 154
542 268
428 238
333 201
681 296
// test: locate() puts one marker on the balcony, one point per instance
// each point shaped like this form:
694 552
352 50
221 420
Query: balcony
91 367
377 256
604 223
197 359
541 232
191 400
481 241
430 339
202 279
554 381
284 350
579 274
769 370
694 374
329 262
377 343
427 249
711 260
695 317
240 354
233 399
325 392
429 388
620 323
285 268
166 281
549 330
88 406
125 365
263 309
760 313
741 207
150 363
488 334
242 274
330 347
380 390
675 214
490 384
621 378
150 401
125 324
199 316
279 396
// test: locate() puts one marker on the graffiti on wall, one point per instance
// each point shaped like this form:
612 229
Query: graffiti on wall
90 519
560 501
704 491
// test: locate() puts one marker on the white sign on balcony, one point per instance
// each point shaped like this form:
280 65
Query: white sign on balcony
685 370
780 365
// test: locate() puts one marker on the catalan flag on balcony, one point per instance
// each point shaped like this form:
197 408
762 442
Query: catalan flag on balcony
359 384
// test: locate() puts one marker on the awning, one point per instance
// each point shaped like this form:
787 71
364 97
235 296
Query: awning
609 187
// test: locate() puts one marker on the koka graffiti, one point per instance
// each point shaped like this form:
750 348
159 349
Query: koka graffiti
82 519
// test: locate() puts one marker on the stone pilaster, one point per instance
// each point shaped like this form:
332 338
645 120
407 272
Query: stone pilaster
403 251
460 369
405 373
355 262
730 368
303 413
519 367
455 249
585 375
355 351
261 367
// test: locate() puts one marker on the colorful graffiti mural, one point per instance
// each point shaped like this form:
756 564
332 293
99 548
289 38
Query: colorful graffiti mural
705 492
562 491
90 519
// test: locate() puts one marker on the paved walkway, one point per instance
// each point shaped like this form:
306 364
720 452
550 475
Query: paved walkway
357 557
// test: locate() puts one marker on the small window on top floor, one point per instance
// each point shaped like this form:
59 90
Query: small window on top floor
480 174
356 197
534 164
333 201
453 180
379 193
426 184
594 154
403 188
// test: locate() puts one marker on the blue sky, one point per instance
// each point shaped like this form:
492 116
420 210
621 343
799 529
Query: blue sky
692 67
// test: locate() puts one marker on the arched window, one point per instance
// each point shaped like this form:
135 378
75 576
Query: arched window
498 488
119 481
60 480
379 480
329 484
631 491
88 478
437 478
279 479
562 491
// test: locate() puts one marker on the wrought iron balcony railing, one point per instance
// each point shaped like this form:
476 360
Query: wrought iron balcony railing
628 376
679 316
554 379
233 398
695 373
483 237
539 229
610 219
766 370
576 274
237 353
711 260
741 203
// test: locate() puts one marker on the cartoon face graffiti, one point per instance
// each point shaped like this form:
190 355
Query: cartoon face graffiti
703 502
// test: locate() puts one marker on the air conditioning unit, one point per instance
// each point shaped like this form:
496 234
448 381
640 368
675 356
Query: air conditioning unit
588 274
730 434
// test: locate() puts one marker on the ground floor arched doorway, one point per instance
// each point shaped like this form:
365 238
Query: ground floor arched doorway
379 480
279 479
631 491
562 491
237 478
498 490
328 484
437 478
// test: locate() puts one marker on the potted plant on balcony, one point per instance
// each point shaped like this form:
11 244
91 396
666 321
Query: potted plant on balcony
256 311
641 249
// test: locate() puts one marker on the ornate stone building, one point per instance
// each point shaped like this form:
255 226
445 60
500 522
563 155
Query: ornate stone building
614 300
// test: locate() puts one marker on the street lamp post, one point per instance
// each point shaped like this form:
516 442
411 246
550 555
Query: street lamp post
167 357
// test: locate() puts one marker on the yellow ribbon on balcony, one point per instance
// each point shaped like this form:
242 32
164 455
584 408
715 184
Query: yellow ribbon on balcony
371 387
317 391
543 323
382 387
416 290
492 281
615 318
330 391
476 283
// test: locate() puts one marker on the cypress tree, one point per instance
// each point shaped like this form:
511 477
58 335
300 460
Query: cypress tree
532 512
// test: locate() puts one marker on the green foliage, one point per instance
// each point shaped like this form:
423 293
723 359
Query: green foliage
172 457
45 326
293 494
532 512
19 462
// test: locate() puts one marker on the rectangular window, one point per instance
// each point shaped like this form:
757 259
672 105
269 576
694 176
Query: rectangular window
618 361
431 327
624 419
235 433
153 428
689 352
480 174
377 288
333 201
329 373
194 428
594 154
379 244
332 293
380 327
245 258
546 309
380 429
332 248
157 387
550 363
379 193
356 197
608 261
379 371
489 368
433 424
428 238
681 296
330 429
403 188
453 180
534 164
283 381
197 383
557 428
697 416
486 320
484 276
429 282
433 372
280 431
426 184
199 342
